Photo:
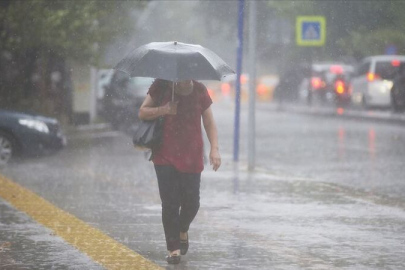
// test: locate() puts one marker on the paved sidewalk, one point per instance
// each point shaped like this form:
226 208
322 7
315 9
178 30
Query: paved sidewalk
25 244
246 221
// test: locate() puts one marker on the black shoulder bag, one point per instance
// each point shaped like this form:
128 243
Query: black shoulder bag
148 135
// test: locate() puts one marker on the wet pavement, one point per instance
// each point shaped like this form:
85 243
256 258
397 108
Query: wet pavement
322 206
24 244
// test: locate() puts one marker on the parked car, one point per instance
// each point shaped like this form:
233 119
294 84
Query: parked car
398 90
327 82
372 81
22 133
123 98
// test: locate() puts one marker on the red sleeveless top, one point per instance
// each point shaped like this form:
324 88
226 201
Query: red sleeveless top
182 145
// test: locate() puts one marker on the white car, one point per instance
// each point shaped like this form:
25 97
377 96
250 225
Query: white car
373 79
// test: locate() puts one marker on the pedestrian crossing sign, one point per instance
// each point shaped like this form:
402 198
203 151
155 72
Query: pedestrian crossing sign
310 30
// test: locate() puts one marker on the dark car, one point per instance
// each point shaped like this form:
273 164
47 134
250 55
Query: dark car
327 82
28 134
289 83
123 98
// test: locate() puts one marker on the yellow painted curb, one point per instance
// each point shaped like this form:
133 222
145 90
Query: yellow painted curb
91 241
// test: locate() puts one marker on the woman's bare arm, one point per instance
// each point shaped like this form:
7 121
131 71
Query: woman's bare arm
149 111
212 134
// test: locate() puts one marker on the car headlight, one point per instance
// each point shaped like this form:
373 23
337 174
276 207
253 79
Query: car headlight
34 124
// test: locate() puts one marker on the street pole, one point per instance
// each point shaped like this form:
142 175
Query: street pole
93 94
310 92
252 85
238 74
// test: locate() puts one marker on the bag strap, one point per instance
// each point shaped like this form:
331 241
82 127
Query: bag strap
162 95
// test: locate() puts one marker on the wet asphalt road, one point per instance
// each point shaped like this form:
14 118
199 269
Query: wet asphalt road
327 194
359 154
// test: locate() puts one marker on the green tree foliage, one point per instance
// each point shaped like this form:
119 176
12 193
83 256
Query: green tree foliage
72 29
39 38
361 44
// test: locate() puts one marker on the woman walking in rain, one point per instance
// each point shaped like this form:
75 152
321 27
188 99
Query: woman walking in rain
179 160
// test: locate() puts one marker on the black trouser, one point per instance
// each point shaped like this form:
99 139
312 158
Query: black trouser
180 195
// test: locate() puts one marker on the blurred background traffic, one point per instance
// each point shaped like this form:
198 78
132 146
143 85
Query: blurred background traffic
56 59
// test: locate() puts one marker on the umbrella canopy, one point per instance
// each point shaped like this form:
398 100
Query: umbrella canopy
174 61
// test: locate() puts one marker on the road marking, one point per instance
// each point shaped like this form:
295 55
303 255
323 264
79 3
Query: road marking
91 241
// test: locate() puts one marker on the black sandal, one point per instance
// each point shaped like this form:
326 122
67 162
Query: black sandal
184 246
173 259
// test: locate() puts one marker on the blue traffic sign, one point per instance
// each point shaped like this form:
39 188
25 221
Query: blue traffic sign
311 31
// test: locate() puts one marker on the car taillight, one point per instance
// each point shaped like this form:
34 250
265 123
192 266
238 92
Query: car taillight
340 86
372 76
317 83
243 79
395 63
261 89
226 89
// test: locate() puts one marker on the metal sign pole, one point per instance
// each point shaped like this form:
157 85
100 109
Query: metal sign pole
238 74
252 85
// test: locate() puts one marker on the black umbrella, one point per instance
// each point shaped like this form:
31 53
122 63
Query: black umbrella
174 61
